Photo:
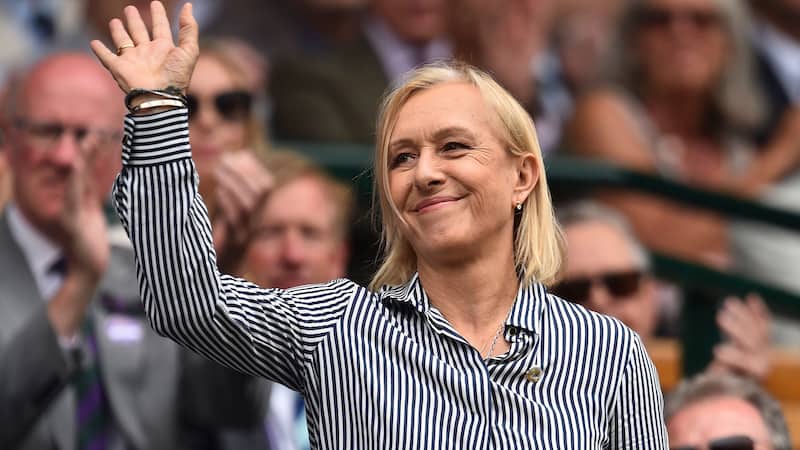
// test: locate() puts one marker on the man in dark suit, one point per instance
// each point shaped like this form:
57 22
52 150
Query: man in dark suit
335 97
79 365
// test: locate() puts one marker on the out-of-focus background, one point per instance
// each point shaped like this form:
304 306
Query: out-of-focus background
670 129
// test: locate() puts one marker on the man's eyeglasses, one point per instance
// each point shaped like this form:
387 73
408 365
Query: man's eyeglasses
662 18
726 443
618 284
230 105
45 136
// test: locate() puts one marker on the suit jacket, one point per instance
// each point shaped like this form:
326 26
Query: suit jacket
155 389
330 98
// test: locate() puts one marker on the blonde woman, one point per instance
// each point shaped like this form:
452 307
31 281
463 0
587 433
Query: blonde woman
229 144
457 344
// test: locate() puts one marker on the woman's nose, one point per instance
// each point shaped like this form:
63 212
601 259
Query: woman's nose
205 115
428 170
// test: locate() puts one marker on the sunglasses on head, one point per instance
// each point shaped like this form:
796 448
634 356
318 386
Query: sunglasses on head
661 17
618 284
726 443
230 105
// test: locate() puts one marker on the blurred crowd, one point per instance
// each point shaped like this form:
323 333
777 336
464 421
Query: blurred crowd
700 92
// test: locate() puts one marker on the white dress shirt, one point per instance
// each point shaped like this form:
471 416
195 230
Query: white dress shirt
40 252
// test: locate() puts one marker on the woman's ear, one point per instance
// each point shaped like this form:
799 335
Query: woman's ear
527 176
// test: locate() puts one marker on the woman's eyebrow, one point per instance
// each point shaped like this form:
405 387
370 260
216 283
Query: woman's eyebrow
440 134
401 143
452 131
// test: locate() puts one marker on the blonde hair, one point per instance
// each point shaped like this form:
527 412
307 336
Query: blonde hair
219 50
538 242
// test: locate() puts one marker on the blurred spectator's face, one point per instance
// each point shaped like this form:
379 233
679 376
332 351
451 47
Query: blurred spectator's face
219 112
68 105
602 274
416 21
716 418
337 4
682 46
298 240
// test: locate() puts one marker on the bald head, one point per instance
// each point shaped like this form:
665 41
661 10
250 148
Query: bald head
74 94
63 77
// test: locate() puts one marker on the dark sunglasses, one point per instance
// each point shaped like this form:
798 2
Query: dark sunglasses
663 18
231 105
618 284
726 443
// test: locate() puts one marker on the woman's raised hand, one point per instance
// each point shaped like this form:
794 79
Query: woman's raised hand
143 61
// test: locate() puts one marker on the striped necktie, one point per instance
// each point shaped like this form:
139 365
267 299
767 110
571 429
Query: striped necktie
93 415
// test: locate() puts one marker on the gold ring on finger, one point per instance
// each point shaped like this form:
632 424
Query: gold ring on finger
123 47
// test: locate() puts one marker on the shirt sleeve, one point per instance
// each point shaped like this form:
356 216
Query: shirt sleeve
265 332
638 414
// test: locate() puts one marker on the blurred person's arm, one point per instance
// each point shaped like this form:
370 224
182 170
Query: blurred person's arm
778 158
34 368
604 128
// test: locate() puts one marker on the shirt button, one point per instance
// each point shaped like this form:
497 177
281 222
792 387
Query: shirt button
533 374
512 331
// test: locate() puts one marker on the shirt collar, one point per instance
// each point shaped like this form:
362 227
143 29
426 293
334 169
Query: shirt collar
526 313
40 252
410 293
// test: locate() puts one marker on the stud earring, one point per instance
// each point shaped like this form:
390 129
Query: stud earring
518 206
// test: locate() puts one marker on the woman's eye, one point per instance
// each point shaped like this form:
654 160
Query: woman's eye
401 158
454 146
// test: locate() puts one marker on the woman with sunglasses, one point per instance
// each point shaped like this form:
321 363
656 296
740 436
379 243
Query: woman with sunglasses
228 145
684 104
456 344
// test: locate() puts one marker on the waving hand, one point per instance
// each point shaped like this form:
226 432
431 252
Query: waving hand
146 61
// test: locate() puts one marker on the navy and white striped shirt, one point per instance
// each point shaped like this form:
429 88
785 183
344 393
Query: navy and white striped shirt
380 370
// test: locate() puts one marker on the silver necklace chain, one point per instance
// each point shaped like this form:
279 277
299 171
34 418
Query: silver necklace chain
494 340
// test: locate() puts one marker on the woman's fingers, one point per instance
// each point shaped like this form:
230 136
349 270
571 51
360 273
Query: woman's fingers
136 26
188 31
152 64
119 35
228 205
102 52
235 183
161 28
733 359
245 169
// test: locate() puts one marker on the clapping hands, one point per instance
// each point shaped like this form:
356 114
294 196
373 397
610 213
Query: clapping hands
746 326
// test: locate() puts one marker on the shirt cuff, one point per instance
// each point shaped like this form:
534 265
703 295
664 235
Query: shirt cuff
156 138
